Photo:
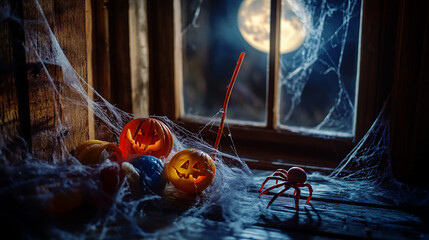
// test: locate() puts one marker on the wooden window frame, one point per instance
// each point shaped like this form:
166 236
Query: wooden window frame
272 146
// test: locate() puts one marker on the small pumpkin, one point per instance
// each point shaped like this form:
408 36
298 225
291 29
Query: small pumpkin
191 170
145 136
96 151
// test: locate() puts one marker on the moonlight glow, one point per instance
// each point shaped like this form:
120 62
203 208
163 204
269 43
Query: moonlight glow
254 24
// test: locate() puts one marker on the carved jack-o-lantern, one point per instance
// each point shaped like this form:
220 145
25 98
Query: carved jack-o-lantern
145 136
96 151
191 170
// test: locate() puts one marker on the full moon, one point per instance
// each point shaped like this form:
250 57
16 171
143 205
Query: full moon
254 24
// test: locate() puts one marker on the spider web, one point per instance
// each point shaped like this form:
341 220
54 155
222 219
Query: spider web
328 55
367 170
27 183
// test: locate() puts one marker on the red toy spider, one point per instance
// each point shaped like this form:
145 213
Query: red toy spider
295 178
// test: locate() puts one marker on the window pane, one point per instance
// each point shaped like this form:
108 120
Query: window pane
211 45
318 66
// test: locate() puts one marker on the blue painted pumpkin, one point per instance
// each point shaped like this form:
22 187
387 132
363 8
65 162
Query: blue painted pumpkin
151 171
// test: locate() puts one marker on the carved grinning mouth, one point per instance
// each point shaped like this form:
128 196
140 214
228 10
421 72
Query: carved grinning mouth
141 147
199 179
196 177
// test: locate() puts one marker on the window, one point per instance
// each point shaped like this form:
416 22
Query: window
316 81
261 133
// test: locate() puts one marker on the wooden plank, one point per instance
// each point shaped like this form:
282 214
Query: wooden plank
342 219
70 29
42 97
111 58
342 212
9 116
378 39
205 228
272 148
59 117
89 29
44 112
161 56
101 49
100 62
410 95
322 218
21 81
119 44
139 63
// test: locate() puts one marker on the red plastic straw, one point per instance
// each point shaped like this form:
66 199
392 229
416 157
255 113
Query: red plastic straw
225 103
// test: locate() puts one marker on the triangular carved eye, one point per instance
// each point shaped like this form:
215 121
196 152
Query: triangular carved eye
185 165
196 166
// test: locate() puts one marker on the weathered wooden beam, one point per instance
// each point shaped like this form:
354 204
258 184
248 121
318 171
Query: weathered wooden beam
19 62
9 113
409 130
119 47
59 120
161 58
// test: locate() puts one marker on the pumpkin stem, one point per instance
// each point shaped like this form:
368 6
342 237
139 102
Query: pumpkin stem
225 103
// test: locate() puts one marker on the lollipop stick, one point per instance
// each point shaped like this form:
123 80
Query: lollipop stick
225 103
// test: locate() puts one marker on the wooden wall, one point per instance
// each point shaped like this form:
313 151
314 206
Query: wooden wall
409 140
30 104
9 107
94 36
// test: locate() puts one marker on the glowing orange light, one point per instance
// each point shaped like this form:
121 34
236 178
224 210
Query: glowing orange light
145 136
191 170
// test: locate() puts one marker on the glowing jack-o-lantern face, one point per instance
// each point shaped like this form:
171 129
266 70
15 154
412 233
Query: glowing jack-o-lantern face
145 136
191 170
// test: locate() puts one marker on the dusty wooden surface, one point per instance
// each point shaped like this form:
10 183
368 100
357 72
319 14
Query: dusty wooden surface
334 212
330 214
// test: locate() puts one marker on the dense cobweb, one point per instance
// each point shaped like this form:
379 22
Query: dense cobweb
367 170
329 56
32 188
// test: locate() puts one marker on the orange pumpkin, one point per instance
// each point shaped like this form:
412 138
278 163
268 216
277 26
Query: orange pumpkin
145 136
191 170
96 151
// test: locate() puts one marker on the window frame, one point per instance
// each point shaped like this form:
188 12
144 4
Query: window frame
270 146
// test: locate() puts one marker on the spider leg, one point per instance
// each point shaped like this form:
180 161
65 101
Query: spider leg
275 196
280 175
271 188
280 172
270 178
310 190
298 195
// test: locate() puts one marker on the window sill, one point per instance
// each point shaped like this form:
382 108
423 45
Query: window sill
273 147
